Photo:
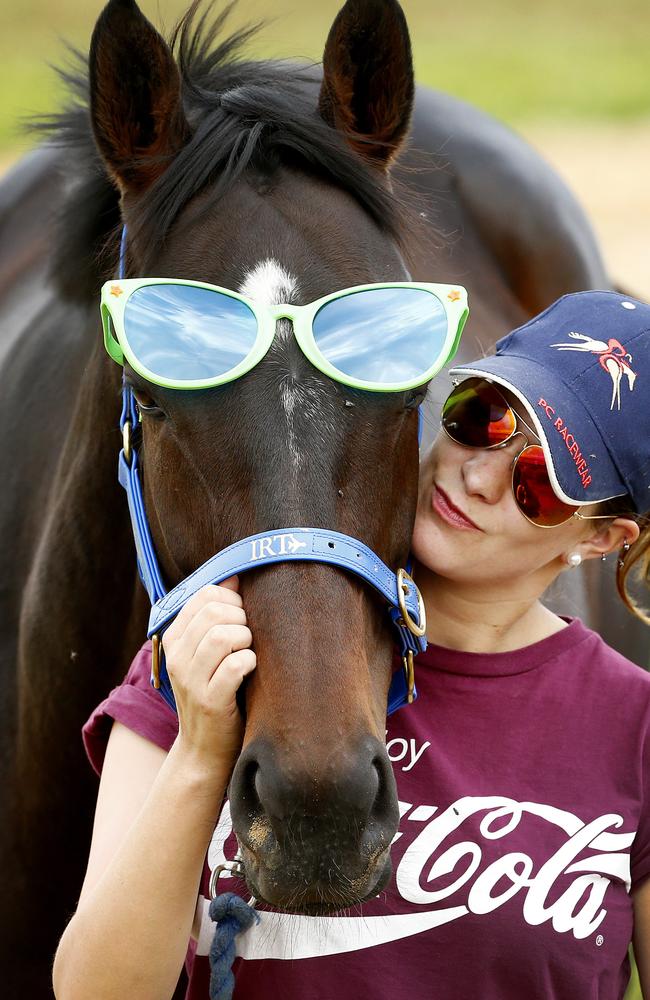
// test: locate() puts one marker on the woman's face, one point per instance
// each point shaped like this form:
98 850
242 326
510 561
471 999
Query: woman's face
468 527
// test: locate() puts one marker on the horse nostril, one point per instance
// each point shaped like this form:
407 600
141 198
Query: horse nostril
244 785
251 779
384 806
258 784
256 778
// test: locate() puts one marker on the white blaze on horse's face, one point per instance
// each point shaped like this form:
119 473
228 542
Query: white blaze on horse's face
268 283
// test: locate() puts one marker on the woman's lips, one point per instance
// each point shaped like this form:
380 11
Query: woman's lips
445 509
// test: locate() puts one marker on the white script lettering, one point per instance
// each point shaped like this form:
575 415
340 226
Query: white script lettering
399 748
502 817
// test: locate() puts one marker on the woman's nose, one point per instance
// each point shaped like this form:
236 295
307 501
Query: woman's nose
487 473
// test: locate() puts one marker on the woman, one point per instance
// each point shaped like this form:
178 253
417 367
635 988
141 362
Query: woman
523 770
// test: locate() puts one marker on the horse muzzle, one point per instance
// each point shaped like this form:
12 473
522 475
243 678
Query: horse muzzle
317 839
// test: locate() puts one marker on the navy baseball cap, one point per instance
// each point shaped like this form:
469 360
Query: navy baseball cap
582 369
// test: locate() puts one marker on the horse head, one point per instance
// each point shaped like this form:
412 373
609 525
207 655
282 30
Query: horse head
265 180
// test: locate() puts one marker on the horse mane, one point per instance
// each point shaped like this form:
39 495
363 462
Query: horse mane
242 113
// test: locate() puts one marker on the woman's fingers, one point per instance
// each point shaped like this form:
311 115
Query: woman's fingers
208 654
209 616
227 678
217 643
206 595
195 671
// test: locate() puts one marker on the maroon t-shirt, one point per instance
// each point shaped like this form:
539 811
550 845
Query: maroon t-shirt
524 787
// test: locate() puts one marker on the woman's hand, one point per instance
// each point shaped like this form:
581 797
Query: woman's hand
208 654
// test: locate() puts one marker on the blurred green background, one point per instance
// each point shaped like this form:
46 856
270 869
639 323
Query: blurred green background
573 75
556 60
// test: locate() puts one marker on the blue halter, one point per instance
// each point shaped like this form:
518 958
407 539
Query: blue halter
295 544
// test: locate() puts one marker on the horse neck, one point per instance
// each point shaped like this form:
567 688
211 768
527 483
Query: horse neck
83 577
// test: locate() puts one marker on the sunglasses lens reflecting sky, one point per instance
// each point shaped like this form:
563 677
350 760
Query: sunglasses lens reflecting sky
184 333
382 335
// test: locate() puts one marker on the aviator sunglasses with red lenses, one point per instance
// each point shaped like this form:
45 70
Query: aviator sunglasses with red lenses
476 415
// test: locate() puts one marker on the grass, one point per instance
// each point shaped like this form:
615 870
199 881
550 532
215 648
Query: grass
562 61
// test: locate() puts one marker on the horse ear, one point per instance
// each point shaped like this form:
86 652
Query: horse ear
368 84
135 96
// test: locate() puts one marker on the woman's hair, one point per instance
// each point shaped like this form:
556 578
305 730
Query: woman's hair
633 564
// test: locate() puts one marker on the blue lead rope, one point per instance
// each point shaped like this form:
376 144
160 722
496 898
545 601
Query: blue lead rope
231 915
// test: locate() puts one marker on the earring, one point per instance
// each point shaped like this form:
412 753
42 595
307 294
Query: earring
622 554
603 558
574 559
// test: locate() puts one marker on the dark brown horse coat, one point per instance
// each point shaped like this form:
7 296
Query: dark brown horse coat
495 218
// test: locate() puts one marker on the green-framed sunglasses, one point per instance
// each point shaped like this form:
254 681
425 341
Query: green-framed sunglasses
384 337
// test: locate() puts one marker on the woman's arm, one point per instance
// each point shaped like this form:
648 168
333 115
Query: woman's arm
155 816
130 933
642 936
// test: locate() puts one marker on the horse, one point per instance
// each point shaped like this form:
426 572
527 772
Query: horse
290 183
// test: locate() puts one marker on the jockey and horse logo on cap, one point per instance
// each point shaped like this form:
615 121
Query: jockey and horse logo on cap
613 359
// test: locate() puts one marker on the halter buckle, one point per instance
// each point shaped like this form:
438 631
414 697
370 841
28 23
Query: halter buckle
155 659
235 869
409 673
404 583
126 441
